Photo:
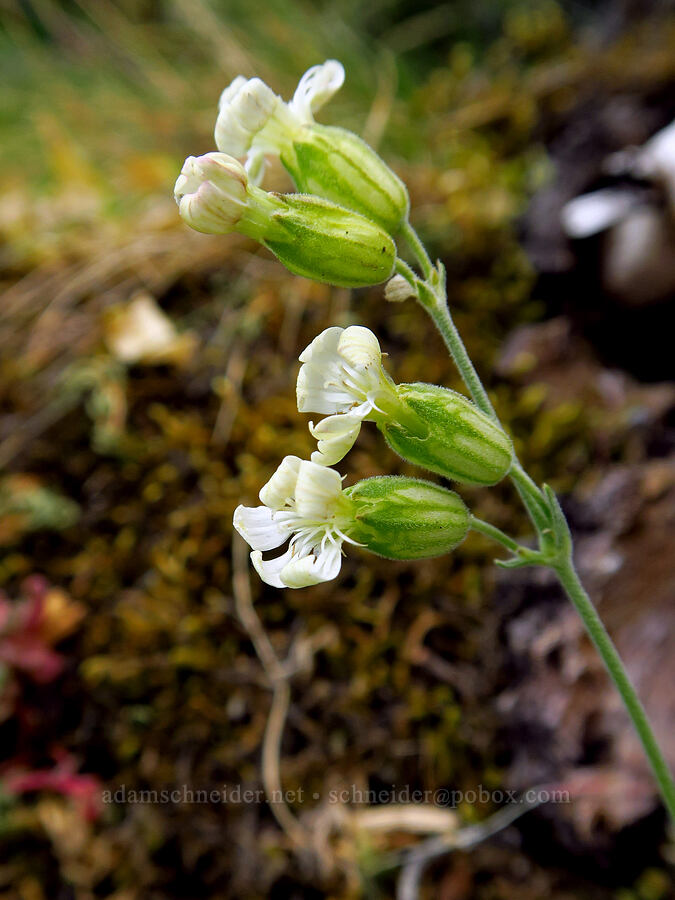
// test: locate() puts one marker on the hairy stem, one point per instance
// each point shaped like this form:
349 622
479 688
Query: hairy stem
495 534
574 589
440 314
419 250
531 496
433 297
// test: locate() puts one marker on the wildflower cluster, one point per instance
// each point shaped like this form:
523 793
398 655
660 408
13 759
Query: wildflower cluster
339 230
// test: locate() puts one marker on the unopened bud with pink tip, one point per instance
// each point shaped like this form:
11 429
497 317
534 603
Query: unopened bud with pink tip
309 235
212 194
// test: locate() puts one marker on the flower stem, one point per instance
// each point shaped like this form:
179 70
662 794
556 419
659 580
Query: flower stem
569 579
528 490
433 297
440 314
495 534
530 495
419 250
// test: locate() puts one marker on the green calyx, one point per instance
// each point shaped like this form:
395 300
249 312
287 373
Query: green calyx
451 436
315 238
338 165
406 518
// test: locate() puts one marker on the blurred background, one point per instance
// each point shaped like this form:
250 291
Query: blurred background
147 387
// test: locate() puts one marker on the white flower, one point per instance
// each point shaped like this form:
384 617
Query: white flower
254 121
342 376
211 193
315 88
302 501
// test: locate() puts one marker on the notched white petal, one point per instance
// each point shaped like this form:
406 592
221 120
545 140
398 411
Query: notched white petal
359 346
257 527
336 436
317 491
324 343
315 392
231 91
269 569
314 568
245 108
281 486
315 88
212 192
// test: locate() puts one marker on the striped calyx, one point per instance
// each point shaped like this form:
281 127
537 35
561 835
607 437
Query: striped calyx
338 165
317 239
453 437
405 518
255 123
342 377
310 236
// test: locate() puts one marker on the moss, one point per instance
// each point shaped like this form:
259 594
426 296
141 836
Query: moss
163 687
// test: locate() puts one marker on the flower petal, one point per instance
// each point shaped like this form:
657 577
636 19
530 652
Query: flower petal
317 491
320 386
336 436
314 568
244 109
231 91
269 569
255 166
281 486
319 390
324 343
211 192
257 527
315 88
359 346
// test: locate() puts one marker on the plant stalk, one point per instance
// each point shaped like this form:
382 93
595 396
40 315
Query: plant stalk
569 579
534 502
495 534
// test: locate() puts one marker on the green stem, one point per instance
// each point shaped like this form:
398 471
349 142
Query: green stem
442 318
404 269
433 297
531 496
528 490
569 579
495 534
419 250
440 314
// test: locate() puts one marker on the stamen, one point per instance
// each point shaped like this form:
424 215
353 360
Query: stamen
346 537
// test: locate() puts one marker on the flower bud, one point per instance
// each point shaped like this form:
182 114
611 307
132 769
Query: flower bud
337 164
448 435
398 289
329 162
245 109
405 518
320 240
211 193
310 236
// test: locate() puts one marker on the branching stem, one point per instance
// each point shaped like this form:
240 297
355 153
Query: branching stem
495 534
544 511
